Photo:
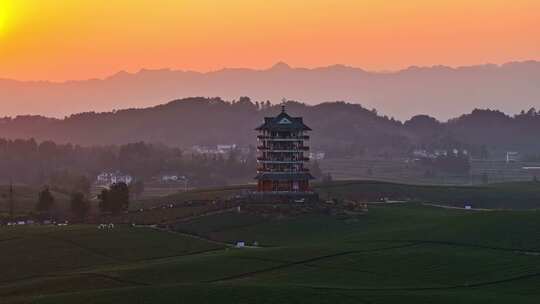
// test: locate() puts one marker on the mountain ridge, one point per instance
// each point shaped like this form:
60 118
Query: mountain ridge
284 65
439 91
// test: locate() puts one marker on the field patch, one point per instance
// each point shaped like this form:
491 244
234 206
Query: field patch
395 253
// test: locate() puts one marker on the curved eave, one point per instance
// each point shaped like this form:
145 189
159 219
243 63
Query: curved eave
283 128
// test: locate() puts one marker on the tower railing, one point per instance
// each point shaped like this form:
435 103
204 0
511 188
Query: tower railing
301 137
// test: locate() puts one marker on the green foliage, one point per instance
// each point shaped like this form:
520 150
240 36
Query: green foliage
82 184
70 181
69 168
45 201
338 127
79 205
115 199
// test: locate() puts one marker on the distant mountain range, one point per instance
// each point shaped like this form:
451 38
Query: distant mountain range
439 91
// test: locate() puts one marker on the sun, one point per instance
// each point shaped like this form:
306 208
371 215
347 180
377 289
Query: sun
4 15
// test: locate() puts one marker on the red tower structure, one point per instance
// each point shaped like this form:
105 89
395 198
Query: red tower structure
282 155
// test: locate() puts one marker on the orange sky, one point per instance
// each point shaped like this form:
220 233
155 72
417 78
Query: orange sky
71 39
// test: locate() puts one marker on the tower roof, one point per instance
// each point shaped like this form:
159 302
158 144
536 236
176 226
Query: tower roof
283 122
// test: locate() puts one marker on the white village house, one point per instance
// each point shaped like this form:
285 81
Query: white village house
109 178
171 178
218 149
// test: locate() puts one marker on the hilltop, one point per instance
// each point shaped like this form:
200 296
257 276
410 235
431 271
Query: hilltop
340 129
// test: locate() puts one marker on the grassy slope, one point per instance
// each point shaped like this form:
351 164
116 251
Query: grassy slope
198 194
519 195
394 254
41 259
522 195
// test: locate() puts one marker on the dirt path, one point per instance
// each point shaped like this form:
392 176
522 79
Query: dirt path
458 208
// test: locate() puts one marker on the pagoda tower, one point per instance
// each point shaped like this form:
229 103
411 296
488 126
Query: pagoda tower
282 155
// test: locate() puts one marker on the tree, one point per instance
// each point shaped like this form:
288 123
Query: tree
82 184
137 188
45 200
327 178
316 170
115 199
79 205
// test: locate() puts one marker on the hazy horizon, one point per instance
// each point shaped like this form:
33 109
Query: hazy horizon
277 63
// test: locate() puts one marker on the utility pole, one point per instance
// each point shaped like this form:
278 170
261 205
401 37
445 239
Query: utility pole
11 202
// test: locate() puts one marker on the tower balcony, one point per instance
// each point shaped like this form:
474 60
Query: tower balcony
261 169
283 138
282 158
282 149
265 160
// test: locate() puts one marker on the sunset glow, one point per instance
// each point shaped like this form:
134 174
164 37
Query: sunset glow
66 39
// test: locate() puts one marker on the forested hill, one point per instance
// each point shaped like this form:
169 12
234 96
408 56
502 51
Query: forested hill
338 127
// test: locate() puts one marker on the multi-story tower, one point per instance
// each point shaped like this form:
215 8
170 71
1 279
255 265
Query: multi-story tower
282 155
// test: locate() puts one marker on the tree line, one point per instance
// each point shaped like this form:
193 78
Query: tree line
73 168
112 200
340 129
